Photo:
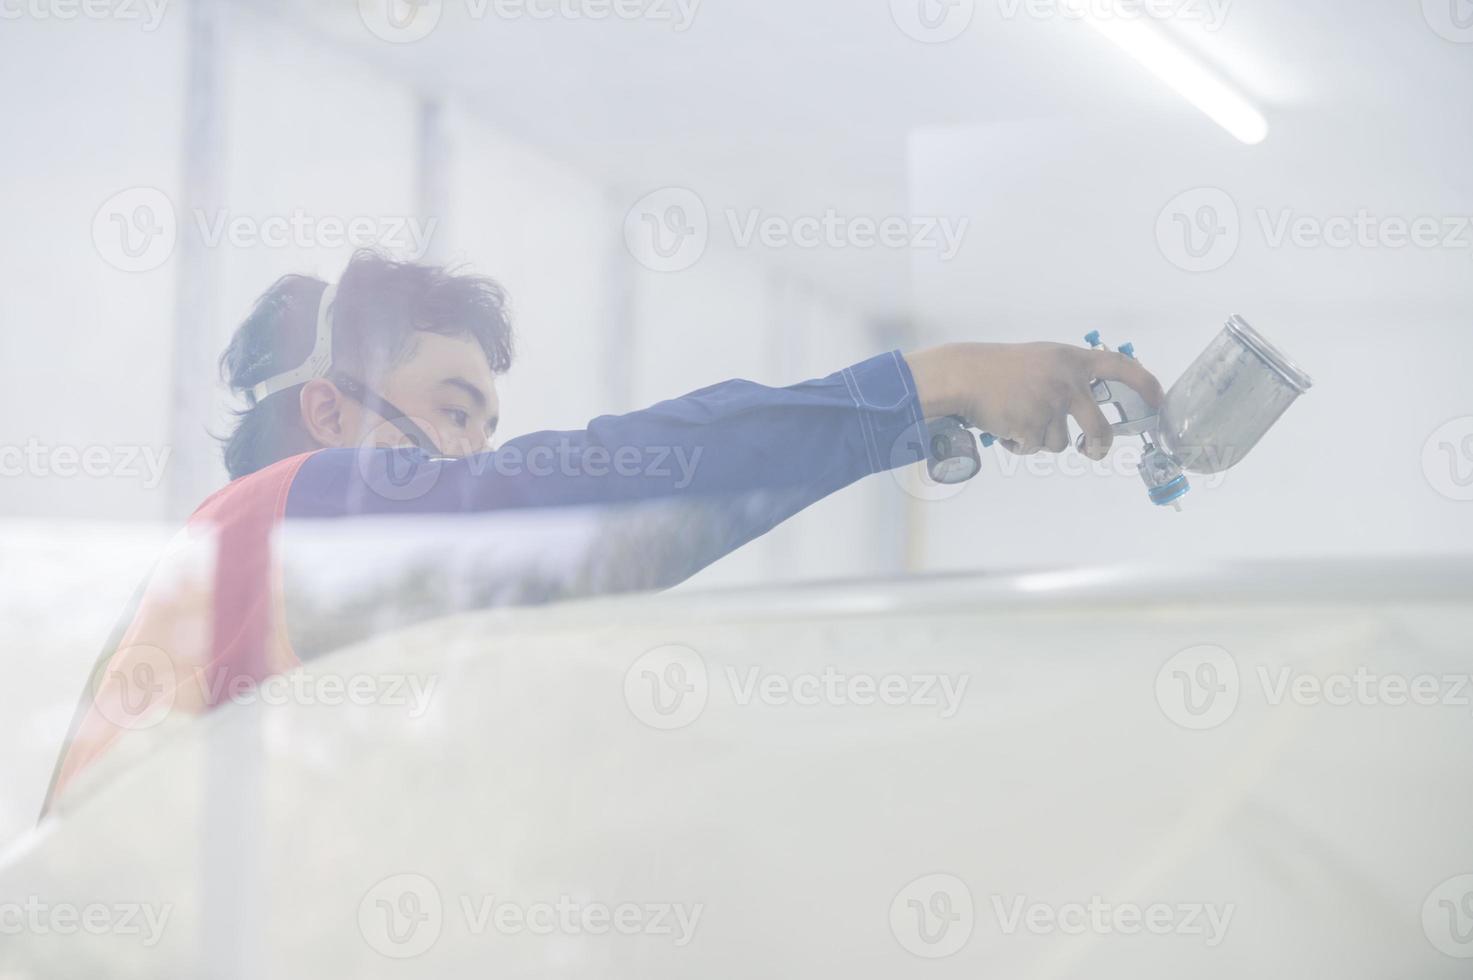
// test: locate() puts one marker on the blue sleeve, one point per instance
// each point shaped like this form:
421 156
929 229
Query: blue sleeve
737 440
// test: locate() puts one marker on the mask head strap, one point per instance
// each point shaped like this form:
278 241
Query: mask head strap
317 364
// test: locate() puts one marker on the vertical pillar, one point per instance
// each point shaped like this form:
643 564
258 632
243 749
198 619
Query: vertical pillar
195 471
230 861
907 530
432 178
621 334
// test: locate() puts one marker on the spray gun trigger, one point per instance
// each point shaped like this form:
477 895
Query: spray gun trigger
1135 417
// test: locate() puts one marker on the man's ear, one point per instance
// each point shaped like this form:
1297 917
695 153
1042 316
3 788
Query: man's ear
329 417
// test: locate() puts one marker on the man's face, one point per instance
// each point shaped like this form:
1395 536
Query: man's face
445 386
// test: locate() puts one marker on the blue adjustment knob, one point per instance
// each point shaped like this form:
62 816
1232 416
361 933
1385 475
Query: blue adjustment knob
1092 338
987 439
1128 350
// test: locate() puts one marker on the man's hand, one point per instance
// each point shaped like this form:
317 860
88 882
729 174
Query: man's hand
1025 393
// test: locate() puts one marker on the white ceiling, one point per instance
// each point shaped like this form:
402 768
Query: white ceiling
796 106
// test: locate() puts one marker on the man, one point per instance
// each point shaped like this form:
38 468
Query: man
375 400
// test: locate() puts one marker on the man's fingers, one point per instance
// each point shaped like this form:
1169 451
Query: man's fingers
1056 440
1109 366
1097 437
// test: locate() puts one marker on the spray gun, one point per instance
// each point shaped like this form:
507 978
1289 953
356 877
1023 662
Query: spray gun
1218 410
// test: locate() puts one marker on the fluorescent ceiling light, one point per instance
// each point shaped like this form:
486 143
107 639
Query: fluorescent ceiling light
1191 79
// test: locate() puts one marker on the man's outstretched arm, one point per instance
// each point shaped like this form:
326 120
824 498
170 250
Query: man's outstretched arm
804 441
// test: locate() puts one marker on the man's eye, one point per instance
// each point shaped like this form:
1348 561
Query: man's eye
461 419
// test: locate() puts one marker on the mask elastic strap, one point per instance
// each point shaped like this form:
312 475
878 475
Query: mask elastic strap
317 364
386 410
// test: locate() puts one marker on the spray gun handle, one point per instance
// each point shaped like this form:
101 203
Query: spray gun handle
1136 416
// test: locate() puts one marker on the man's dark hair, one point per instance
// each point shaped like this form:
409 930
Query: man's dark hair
380 304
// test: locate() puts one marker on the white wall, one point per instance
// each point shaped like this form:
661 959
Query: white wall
91 109
545 232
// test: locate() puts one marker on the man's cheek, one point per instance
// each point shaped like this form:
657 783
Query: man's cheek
388 435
